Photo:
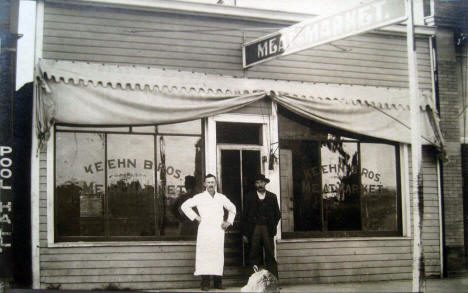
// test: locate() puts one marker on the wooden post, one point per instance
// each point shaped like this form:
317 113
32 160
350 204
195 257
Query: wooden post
418 277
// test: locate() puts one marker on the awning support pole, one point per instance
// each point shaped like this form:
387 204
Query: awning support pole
416 154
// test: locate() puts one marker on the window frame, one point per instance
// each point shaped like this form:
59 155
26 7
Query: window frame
53 238
352 137
399 201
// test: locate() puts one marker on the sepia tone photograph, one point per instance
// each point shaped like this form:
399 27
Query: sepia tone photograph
233 146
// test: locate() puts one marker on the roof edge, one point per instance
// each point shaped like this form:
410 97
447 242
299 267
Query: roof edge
274 16
196 8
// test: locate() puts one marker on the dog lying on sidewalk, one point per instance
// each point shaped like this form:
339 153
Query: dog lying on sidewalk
261 281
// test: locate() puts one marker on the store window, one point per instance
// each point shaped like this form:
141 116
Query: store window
124 183
340 184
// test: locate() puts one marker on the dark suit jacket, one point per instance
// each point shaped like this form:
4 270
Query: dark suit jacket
250 212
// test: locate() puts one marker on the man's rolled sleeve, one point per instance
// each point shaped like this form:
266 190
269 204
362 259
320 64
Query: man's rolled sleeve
187 208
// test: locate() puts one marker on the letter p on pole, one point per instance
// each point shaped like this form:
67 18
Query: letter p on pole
5 150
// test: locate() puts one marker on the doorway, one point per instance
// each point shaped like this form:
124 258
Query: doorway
237 167
239 149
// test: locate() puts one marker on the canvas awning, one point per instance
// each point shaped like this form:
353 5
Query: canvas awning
82 93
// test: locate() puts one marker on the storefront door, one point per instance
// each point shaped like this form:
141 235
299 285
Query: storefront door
237 167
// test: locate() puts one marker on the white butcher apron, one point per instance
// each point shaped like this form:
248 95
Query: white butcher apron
209 259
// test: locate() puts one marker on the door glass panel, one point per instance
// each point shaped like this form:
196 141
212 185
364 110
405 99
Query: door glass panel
236 184
250 167
230 177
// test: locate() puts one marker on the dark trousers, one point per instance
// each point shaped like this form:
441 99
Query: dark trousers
259 242
217 281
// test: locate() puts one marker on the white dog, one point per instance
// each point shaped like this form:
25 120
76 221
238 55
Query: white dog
261 281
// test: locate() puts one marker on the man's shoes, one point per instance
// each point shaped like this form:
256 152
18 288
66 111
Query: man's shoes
205 283
220 287
218 283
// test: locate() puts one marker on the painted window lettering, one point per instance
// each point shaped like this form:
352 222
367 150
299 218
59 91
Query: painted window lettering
340 184
106 187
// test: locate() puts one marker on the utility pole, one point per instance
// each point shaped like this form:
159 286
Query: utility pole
9 10
416 154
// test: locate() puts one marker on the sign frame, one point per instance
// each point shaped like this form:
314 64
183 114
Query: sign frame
318 21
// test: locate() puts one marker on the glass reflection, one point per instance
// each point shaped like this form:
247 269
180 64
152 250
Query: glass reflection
130 184
379 184
340 185
79 191
179 156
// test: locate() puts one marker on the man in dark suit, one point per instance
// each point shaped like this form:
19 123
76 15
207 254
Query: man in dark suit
259 221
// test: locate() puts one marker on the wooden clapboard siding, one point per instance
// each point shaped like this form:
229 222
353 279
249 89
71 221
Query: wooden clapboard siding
344 260
213 45
43 197
261 107
133 266
430 220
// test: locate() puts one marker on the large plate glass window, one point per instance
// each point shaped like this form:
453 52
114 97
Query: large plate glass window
125 183
336 184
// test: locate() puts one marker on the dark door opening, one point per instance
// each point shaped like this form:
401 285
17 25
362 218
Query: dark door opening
238 168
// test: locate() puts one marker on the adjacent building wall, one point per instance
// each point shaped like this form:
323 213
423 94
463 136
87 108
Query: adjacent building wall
449 99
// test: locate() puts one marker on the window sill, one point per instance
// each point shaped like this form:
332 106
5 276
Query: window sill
337 239
120 243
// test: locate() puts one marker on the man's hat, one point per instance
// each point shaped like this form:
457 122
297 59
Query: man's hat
262 177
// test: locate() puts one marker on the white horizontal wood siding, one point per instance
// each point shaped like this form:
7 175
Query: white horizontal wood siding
326 261
43 197
430 214
213 45
133 266
261 107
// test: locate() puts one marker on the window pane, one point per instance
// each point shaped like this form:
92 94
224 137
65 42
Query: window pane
93 129
340 185
241 133
130 180
379 184
144 129
190 127
178 157
79 192
306 186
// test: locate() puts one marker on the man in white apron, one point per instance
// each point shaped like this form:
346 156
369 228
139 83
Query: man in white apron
209 259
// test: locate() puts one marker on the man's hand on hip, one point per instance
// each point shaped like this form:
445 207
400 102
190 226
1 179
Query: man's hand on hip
225 225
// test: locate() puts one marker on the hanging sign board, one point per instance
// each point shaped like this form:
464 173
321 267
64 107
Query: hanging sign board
321 30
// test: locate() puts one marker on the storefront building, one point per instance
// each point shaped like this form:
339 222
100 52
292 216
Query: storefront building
132 98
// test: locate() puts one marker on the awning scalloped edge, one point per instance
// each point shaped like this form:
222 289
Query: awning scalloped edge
131 77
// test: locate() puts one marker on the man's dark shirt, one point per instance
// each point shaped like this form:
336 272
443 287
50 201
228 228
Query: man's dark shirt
258 211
